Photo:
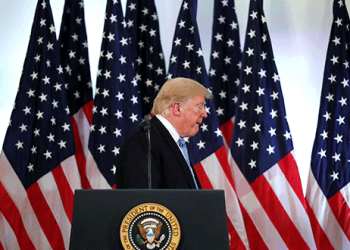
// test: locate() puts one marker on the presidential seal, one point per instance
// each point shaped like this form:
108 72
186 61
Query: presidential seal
150 226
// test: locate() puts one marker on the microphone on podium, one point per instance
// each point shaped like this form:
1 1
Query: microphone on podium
146 126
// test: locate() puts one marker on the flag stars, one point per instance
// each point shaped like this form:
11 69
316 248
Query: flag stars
218 132
186 64
133 117
234 25
271 150
332 78
134 99
252 164
36 132
124 41
345 83
51 137
30 167
107 74
329 97
251 33
322 153
101 148
334 176
239 142
46 80
103 130
19 144
23 127
143 28
66 127
201 144
246 88
273 113
324 134
341 120
115 151
254 15
62 144
338 138
110 37
117 132
254 145
120 96
218 37
221 19
244 106
181 24
274 95
42 22
222 94
113 18
27 110
37 58
258 109
121 78
262 73
342 101
241 124
248 70
334 60
275 77
109 56
47 154
39 115
336 157
272 131
50 46
336 41
287 135
250 52
220 111
260 91
104 111
256 127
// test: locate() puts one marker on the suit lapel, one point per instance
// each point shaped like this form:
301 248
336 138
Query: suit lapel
174 147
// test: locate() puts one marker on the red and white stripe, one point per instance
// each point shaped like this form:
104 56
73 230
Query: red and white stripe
329 218
214 173
276 206
91 177
39 217
226 130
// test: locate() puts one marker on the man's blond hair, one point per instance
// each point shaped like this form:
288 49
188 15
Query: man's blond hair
177 90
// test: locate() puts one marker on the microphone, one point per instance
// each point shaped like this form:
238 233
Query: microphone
145 125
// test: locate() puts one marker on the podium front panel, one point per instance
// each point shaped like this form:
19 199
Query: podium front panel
98 215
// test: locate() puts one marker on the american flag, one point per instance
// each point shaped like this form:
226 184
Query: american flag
206 149
38 171
76 67
265 171
117 107
328 183
225 62
143 26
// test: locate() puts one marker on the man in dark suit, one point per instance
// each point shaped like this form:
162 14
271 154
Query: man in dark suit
178 110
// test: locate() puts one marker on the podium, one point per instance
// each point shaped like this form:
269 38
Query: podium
98 216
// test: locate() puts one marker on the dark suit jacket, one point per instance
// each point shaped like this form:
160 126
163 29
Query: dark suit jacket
169 167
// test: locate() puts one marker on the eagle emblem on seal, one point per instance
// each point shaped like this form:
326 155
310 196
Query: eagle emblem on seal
150 230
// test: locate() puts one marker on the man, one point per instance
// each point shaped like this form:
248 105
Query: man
178 110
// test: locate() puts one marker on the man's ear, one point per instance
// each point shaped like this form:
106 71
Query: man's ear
176 109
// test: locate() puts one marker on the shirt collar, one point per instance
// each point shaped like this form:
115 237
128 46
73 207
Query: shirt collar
172 130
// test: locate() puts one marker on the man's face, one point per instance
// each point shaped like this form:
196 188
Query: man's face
192 114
